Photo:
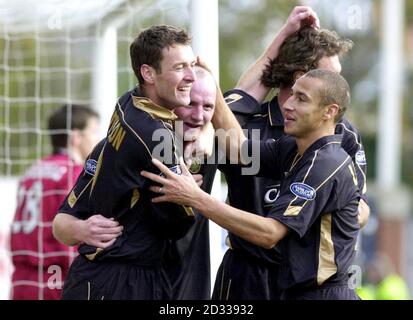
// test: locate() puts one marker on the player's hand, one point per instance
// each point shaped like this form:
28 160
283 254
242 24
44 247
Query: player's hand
300 17
200 62
99 231
202 145
198 179
181 189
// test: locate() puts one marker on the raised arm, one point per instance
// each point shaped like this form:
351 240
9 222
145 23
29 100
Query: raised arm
228 130
250 81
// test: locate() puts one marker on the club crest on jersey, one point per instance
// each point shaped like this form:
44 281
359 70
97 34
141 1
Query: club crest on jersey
195 166
303 191
361 157
90 166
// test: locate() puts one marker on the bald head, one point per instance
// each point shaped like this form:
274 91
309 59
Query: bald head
205 77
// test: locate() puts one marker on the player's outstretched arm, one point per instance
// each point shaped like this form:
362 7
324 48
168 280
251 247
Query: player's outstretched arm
250 81
97 230
182 189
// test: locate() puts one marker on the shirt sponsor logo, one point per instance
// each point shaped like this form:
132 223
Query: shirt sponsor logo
90 166
303 191
271 195
361 157
175 169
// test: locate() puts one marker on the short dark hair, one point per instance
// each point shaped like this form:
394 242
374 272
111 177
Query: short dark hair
147 47
335 90
302 51
78 115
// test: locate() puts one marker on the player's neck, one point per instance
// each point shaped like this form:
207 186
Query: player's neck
149 92
304 142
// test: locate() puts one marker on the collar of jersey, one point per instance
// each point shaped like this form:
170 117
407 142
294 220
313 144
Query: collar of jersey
156 112
323 141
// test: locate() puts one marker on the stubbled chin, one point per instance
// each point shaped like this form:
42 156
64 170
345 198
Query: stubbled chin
287 130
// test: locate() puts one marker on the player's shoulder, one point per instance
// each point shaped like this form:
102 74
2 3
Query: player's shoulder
97 149
240 102
346 128
90 165
328 152
284 144
140 120
142 114
324 161
251 114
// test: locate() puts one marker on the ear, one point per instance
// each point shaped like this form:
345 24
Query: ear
148 73
331 111
297 75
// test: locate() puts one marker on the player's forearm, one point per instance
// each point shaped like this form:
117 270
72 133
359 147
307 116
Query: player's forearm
228 131
250 81
261 231
66 229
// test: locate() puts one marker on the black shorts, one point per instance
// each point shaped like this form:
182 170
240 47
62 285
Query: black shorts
241 277
88 280
329 292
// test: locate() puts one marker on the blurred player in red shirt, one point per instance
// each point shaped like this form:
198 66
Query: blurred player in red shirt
40 262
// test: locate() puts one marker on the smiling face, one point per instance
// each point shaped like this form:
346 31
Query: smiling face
201 108
302 111
330 63
173 82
